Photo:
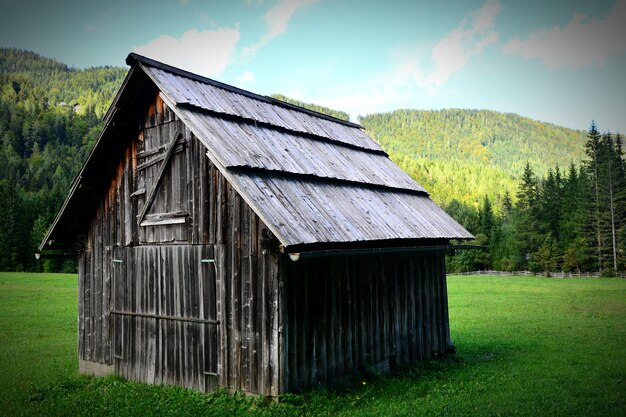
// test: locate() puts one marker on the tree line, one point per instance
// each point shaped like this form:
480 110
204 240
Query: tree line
49 120
572 220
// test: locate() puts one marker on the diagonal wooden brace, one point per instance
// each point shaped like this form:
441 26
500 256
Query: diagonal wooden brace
168 154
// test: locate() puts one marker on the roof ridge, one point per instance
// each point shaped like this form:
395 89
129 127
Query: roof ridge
134 58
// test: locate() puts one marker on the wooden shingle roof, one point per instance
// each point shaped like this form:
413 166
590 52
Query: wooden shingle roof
313 179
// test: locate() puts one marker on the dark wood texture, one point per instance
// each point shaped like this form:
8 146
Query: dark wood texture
164 320
193 303
346 312
248 288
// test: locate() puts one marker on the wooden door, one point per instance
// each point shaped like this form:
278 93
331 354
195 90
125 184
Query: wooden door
164 323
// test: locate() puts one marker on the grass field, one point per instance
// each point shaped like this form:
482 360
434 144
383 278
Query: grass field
527 346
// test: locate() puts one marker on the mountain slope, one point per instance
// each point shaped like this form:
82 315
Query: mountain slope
466 154
91 89
49 120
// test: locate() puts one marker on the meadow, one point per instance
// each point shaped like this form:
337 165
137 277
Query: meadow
527 346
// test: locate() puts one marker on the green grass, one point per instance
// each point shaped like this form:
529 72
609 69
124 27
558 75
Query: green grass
37 333
527 346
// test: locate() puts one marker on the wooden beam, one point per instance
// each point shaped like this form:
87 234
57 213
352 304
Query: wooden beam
150 198
162 317
160 219
146 164
138 192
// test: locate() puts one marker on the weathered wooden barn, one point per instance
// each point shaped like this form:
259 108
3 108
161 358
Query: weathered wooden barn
227 239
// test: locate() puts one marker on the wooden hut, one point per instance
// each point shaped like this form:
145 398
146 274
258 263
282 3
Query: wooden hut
227 239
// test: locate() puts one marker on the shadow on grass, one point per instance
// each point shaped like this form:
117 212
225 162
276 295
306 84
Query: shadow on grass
114 396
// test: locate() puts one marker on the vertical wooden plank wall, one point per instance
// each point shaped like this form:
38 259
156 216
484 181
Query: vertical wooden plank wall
105 232
174 290
248 305
157 270
114 223
351 311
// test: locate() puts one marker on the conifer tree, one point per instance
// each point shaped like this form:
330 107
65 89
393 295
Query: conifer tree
551 199
612 195
620 201
486 218
592 150
507 204
527 193
573 218
526 237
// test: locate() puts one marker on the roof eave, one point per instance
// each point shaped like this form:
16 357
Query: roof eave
391 250
388 245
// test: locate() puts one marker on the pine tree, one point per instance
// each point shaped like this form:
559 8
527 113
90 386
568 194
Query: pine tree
620 201
527 194
503 249
550 205
486 218
12 228
612 189
544 259
526 234
507 204
573 220
592 150
604 170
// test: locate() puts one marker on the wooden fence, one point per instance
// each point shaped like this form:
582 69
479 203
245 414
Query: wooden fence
560 274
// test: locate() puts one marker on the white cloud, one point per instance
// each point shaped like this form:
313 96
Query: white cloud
247 78
582 42
378 93
204 52
361 103
277 19
453 52
484 17
386 90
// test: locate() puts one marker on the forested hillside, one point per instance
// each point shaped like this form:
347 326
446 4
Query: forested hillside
466 154
49 120
540 196
88 90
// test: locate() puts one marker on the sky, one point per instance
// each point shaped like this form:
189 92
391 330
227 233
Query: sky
556 61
